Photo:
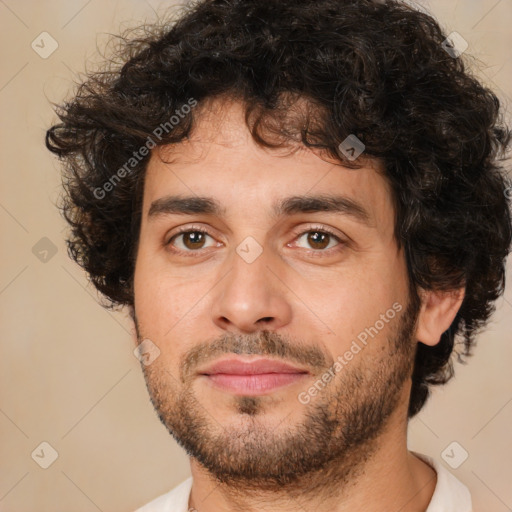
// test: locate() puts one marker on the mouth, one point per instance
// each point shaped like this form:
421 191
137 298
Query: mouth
251 377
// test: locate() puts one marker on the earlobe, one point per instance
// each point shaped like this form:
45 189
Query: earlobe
438 310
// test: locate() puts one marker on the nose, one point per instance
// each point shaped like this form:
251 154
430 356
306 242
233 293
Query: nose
251 296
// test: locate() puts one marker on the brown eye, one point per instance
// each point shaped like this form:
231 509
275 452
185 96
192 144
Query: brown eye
319 240
191 240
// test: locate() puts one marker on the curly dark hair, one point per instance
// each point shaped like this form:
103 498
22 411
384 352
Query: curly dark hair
376 69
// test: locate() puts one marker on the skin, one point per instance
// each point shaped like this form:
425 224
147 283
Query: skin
297 301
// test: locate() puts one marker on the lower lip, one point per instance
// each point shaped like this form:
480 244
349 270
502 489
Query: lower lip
253 384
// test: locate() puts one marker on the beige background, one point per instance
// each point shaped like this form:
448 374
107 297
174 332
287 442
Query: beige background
67 372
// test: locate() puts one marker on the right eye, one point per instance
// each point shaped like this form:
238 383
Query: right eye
189 240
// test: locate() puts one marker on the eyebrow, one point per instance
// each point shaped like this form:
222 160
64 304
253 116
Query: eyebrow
190 205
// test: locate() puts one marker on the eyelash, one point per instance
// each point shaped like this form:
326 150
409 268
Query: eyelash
316 229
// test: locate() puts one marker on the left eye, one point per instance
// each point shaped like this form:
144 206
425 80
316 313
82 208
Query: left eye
318 239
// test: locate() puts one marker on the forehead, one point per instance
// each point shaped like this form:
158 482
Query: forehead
222 161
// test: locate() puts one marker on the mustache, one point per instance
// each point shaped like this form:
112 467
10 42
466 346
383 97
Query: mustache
263 343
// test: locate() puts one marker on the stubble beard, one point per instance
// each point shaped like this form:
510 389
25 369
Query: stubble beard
328 449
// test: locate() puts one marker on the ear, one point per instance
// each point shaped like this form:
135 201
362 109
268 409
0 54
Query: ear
437 312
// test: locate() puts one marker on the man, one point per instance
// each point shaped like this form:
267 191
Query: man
302 206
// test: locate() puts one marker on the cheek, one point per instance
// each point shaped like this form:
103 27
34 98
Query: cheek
166 303
153 302
354 301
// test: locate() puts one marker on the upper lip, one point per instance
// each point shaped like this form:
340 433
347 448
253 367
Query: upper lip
237 366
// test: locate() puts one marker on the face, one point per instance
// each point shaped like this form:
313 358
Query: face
250 268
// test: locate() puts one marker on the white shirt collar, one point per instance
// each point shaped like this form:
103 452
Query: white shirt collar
450 495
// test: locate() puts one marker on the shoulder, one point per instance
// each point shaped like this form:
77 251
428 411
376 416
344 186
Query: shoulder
450 494
176 500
